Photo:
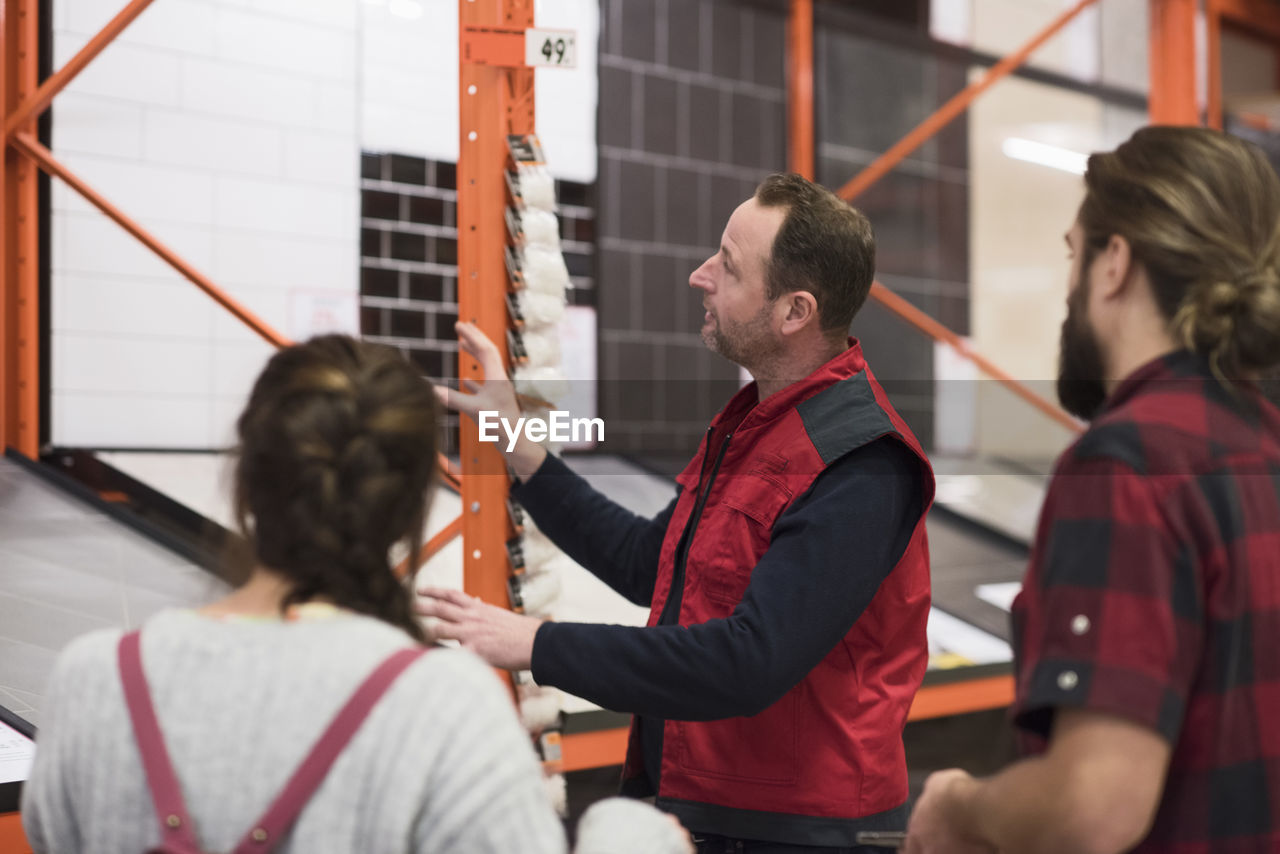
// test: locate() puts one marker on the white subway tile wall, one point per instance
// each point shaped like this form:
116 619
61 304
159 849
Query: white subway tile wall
228 129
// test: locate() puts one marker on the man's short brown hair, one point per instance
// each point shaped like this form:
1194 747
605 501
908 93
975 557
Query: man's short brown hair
824 246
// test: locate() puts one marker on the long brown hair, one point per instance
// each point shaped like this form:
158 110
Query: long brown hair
336 458
1201 212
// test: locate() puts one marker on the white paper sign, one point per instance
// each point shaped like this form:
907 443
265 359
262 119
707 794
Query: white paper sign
16 755
550 48
321 312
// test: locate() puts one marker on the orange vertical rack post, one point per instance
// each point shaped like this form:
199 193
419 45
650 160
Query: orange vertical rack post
800 119
495 97
1172 59
19 240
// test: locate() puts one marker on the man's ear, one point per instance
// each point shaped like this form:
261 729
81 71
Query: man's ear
1117 266
801 311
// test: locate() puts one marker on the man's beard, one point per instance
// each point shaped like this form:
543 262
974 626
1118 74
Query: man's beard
743 344
1081 389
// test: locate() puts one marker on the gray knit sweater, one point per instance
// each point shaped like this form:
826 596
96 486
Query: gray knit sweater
440 764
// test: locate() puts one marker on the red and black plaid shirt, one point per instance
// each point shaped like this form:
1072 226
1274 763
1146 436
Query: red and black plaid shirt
1154 594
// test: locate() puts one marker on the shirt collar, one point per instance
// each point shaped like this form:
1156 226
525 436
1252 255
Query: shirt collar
1176 364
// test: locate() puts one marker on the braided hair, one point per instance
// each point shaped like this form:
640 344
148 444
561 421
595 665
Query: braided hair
337 452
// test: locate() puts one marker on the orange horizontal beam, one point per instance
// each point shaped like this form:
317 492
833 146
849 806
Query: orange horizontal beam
502 46
44 95
29 146
1260 17
597 749
958 698
12 839
957 105
939 332
604 747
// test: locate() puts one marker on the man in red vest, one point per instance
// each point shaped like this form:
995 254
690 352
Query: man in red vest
788 581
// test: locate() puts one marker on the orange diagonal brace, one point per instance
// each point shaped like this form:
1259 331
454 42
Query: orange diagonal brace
43 96
955 107
443 537
29 146
42 156
451 476
938 332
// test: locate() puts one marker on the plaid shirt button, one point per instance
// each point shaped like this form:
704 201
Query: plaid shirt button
1079 624
1067 680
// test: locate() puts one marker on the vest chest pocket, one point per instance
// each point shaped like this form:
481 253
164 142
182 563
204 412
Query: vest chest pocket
736 533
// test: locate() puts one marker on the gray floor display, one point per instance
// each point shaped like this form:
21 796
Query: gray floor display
67 569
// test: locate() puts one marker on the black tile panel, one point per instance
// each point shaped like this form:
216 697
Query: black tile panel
894 350
370 243
639 28
683 395
446 250
427 287
637 217
373 321
408 246
579 263
431 363
769 48
446 319
446 176
573 193
613 289
726 42
703 122
684 33
407 170
659 115
379 283
726 194
379 204
614 114
747 124
679 222
408 323
686 303
584 230
773 136
425 210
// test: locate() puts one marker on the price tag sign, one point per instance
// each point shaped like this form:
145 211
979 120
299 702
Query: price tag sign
550 48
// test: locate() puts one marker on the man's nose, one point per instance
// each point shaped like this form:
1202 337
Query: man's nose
701 278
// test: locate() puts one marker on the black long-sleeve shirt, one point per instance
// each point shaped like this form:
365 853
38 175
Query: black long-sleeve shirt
829 551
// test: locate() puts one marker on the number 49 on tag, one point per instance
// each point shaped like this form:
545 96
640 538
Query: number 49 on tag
553 48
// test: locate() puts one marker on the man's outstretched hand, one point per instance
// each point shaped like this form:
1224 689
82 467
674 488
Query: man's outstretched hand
495 393
500 637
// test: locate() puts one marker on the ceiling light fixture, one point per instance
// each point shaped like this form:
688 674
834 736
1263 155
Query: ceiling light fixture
1044 154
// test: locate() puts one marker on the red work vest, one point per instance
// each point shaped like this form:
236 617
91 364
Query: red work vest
826 760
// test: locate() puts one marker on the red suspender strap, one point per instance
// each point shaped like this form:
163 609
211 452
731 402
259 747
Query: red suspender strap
166 794
276 821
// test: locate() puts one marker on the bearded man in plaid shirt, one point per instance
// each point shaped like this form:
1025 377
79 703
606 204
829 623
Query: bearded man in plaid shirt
1148 628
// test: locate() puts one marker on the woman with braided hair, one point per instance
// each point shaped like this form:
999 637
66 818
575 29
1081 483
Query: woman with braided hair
300 713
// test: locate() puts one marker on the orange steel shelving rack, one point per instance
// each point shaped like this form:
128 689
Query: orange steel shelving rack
496 98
